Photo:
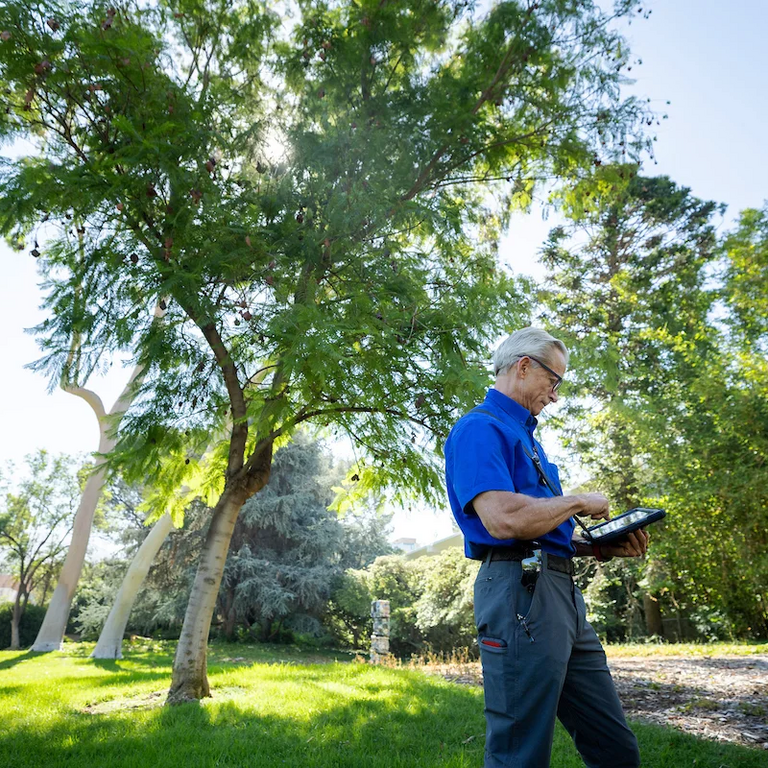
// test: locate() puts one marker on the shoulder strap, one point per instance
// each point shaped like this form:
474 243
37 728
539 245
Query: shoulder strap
534 457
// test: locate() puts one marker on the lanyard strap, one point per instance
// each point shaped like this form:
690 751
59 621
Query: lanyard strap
536 459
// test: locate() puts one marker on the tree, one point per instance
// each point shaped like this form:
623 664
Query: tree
711 461
51 633
349 278
661 412
746 275
431 602
349 608
109 644
445 611
626 280
35 522
288 546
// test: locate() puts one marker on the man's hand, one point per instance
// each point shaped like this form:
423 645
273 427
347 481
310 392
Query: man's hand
595 505
635 545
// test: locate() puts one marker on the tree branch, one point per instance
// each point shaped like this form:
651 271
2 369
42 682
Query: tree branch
235 392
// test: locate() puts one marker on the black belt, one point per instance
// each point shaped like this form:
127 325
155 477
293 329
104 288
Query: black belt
512 553
553 562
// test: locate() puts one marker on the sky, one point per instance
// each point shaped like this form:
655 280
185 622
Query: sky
707 58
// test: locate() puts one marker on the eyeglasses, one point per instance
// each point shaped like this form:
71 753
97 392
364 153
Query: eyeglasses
559 378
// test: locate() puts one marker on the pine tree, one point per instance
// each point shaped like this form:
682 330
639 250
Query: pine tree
286 549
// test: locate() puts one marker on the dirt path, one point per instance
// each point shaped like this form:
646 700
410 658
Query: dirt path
724 698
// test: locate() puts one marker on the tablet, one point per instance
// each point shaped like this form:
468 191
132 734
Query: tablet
613 530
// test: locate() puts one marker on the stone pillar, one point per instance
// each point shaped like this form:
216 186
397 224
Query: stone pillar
380 636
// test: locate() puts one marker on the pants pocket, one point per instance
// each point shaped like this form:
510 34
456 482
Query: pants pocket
492 644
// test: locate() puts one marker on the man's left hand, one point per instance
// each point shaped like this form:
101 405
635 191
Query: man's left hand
635 545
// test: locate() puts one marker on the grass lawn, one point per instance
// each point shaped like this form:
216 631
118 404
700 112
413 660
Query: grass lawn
271 707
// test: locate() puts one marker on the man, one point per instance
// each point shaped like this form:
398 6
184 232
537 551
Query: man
541 659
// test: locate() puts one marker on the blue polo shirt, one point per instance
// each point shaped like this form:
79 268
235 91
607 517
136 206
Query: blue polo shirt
483 453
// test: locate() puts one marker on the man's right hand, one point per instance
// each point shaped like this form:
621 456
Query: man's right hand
595 505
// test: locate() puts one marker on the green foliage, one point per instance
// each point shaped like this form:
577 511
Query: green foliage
95 596
348 616
307 200
288 547
29 625
746 277
671 396
37 511
398 580
431 602
160 604
614 601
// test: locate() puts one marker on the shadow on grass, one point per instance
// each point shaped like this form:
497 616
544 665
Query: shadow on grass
318 717
411 723
9 663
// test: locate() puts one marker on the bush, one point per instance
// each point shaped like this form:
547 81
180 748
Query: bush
445 612
95 594
29 626
431 603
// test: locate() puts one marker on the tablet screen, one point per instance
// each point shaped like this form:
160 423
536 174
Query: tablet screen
626 520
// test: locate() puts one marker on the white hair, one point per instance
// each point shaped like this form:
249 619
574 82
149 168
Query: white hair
526 341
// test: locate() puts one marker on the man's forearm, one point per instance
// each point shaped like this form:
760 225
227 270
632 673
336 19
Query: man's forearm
516 516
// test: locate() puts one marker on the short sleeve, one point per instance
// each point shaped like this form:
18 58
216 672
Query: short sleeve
482 460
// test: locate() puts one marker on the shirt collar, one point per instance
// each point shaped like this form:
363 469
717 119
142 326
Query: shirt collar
512 408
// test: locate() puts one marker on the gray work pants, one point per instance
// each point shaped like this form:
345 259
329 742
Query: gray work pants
541 660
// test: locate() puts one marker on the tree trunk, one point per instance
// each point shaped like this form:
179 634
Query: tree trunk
653 623
110 641
230 615
46 586
190 677
51 633
15 621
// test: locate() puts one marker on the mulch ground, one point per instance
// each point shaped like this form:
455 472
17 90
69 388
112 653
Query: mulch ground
722 698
